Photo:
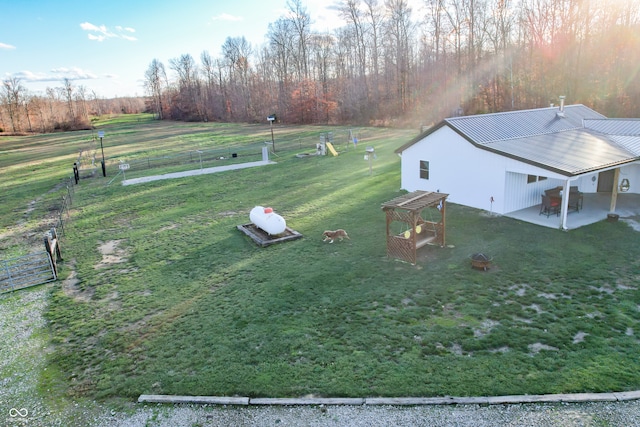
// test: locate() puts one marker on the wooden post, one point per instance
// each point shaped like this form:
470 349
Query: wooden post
52 246
614 190
443 221
564 205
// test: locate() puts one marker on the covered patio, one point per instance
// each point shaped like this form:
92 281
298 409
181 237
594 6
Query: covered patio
595 207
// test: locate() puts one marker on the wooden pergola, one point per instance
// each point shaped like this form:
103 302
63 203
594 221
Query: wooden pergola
410 210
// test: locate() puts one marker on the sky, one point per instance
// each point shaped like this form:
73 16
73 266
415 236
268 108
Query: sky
106 46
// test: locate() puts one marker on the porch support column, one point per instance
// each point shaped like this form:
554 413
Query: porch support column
564 205
614 190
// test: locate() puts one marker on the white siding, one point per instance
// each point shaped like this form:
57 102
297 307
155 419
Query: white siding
632 173
469 175
473 176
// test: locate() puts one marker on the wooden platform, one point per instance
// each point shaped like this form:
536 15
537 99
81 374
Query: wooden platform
263 239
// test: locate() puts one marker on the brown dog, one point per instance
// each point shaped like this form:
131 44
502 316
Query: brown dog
337 234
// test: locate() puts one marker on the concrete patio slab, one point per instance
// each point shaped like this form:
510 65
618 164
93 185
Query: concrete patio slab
595 208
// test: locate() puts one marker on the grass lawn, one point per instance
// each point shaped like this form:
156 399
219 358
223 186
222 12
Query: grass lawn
163 295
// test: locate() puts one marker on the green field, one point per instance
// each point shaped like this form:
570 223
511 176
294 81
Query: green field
163 295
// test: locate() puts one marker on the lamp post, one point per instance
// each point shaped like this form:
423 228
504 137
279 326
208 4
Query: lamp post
271 119
101 135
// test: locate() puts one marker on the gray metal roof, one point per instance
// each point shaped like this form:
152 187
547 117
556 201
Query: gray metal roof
518 124
631 143
628 127
575 141
570 152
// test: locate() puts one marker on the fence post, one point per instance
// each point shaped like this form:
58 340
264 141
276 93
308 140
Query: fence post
52 246
6 266
69 192
76 174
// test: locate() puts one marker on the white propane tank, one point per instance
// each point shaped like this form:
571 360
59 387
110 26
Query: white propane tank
267 220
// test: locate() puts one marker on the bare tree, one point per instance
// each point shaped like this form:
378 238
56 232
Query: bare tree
281 36
350 11
399 32
322 49
27 102
66 91
188 102
12 97
374 16
81 105
236 51
301 21
154 79
208 70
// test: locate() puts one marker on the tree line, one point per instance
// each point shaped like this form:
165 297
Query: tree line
389 64
66 107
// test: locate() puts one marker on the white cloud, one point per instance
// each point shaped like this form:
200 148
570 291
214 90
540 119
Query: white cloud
31 76
74 73
226 17
97 38
56 75
6 46
128 29
87 26
101 33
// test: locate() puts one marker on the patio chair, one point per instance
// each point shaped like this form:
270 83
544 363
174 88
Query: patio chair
549 206
575 199
554 192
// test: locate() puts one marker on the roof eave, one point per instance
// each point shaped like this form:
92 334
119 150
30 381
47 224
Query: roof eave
420 137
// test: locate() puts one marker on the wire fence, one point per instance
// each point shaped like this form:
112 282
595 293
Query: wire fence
191 160
62 214
39 267
212 157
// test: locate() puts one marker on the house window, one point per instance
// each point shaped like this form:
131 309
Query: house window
534 178
424 169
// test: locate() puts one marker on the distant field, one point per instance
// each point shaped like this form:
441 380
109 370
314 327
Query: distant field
163 295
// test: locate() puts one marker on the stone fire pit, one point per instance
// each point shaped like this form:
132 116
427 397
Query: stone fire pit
481 261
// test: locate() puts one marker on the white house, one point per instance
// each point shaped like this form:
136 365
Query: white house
504 162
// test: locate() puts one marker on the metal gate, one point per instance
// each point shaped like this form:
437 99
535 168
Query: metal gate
25 271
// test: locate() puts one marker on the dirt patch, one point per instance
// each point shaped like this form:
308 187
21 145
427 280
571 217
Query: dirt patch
538 347
485 328
603 289
534 307
167 228
547 296
112 302
456 349
70 288
111 254
579 337
520 289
